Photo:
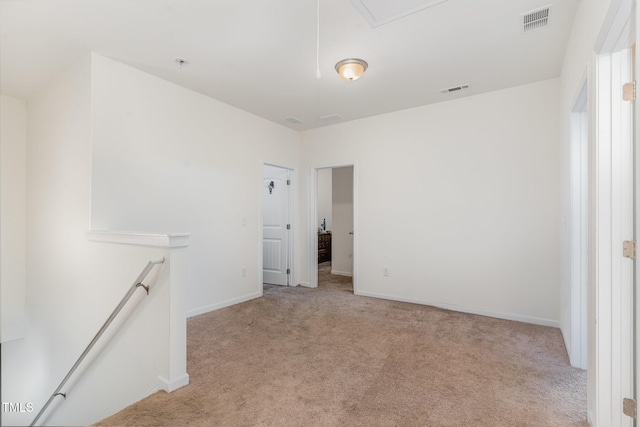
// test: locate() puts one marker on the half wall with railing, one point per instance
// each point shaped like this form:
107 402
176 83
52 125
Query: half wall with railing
127 352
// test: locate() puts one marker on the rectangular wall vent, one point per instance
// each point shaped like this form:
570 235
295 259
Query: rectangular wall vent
454 89
535 19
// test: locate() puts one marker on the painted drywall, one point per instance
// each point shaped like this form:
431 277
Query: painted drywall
72 285
466 217
134 353
325 198
342 240
577 70
166 158
13 146
57 200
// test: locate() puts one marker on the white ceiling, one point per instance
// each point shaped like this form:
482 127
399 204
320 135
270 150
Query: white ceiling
260 55
380 12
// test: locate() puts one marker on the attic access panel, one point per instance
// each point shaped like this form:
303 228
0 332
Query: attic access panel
380 12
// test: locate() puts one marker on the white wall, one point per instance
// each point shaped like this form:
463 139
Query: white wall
577 69
325 197
341 240
13 143
169 159
72 285
57 217
463 216
128 360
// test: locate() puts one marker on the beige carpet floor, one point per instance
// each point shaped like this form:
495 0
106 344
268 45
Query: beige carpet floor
324 357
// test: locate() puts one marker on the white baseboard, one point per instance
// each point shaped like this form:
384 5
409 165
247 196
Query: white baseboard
470 310
306 285
341 273
218 306
151 391
169 386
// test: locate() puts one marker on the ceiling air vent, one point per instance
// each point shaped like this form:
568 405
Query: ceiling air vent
535 19
293 120
454 89
331 118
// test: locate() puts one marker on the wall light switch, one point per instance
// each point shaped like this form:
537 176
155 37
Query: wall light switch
385 271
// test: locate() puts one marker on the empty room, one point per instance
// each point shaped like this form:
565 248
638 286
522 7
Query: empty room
318 212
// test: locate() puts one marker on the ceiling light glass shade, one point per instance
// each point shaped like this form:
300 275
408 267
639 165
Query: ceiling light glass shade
351 69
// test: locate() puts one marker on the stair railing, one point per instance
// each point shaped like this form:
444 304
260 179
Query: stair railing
136 284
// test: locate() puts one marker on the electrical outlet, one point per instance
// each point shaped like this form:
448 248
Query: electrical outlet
385 271
243 272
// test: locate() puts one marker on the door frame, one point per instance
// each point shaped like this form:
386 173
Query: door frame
291 281
313 229
611 324
579 288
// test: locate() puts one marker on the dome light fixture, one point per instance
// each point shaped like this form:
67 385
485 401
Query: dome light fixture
351 69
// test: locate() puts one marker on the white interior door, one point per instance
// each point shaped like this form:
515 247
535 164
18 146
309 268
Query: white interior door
613 307
622 209
276 225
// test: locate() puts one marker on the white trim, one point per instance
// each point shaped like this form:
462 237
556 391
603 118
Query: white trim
158 240
223 304
341 273
614 33
576 338
313 230
292 234
169 386
356 227
636 207
470 310
152 390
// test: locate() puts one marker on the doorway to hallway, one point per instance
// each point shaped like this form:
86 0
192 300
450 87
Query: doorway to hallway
334 241
327 280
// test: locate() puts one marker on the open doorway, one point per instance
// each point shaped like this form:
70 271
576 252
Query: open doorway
334 241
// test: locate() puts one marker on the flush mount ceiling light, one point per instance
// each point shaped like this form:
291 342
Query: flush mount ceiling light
351 69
